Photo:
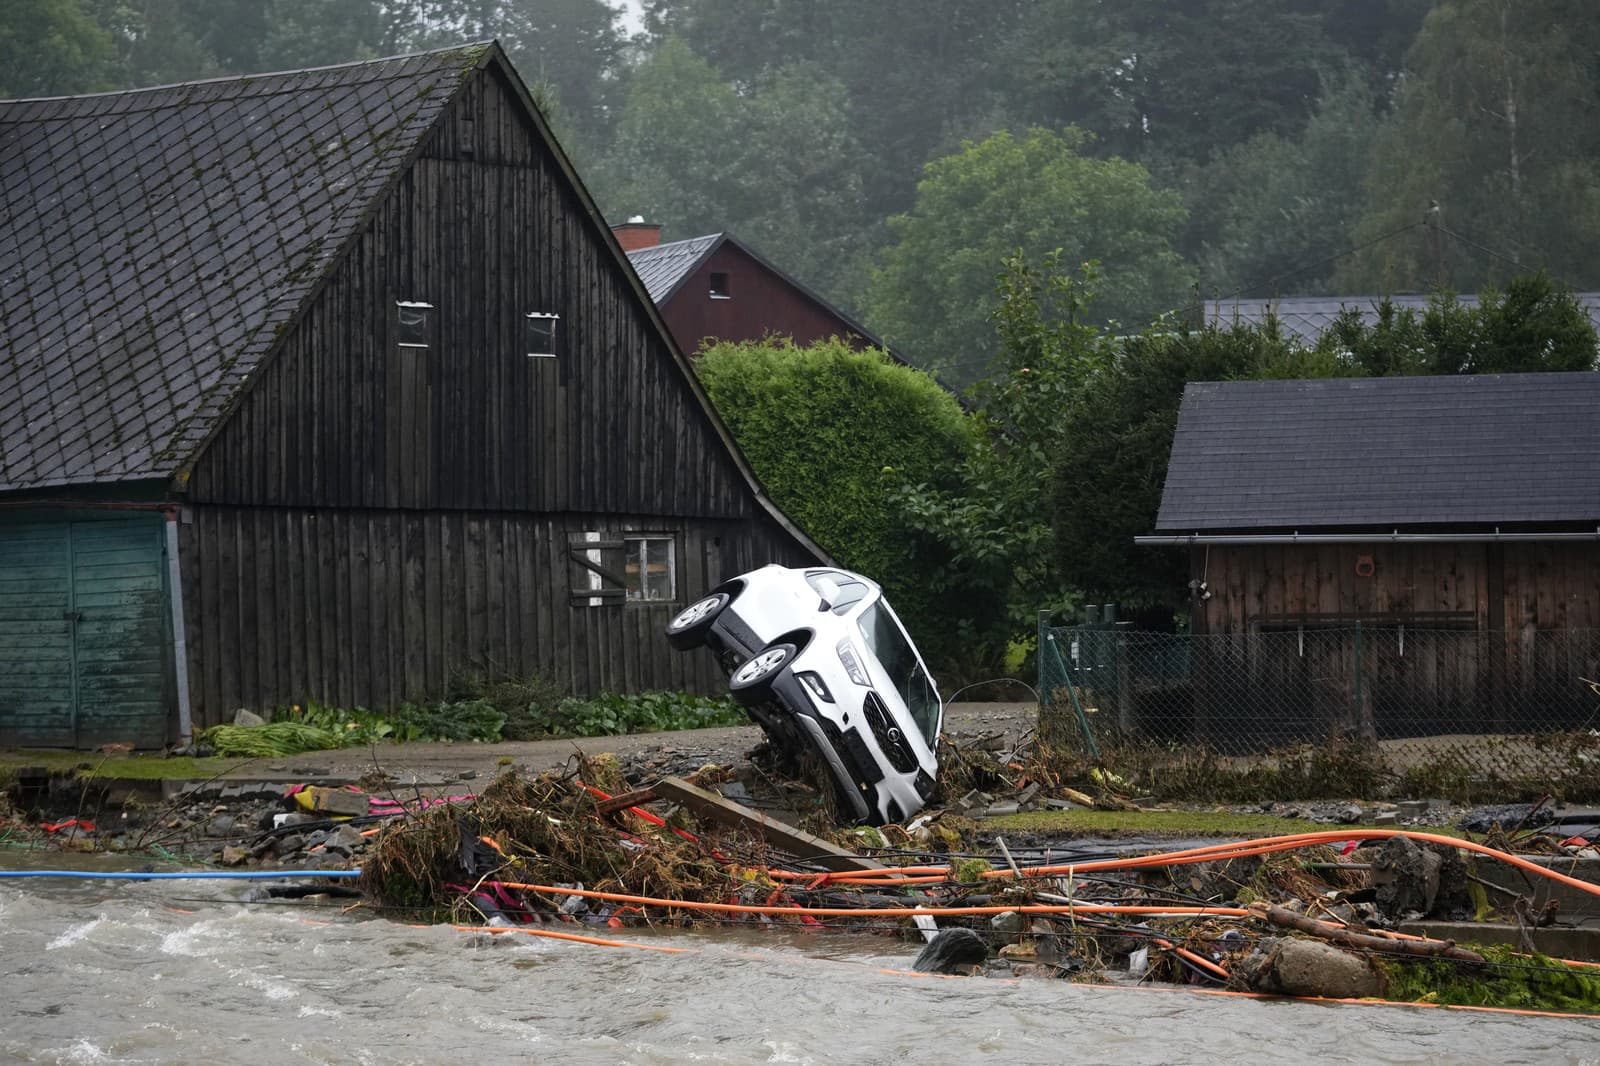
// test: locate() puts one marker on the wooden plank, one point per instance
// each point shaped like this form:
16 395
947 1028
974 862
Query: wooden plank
797 842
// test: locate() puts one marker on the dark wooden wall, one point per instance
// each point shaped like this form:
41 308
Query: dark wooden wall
761 303
1519 585
374 607
486 228
372 519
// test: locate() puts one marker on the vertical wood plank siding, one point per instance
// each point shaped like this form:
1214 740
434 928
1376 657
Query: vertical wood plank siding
485 228
375 607
371 519
1543 586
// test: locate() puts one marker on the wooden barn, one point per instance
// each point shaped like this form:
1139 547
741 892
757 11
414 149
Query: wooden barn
1398 556
718 288
328 385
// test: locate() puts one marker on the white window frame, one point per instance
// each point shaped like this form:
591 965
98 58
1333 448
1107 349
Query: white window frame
401 307
646 541
555 323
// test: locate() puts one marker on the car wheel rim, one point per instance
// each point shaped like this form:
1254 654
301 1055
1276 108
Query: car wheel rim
695 613
761 664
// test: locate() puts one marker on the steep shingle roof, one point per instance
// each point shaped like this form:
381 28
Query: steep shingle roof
153 243
1306 317
663 267
1482 450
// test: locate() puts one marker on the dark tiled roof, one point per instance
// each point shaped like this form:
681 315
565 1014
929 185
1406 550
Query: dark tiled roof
1381 452
1305 317
153 243
664 267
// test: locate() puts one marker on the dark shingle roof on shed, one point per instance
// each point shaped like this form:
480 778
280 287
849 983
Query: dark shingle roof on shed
153 243
1304 318
1483 450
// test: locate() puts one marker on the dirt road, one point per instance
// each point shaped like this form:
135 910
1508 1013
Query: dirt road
448 761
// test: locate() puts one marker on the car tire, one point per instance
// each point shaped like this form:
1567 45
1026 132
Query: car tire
689 628
752 681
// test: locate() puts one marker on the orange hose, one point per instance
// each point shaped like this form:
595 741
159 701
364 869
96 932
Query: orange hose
876 912
1208 853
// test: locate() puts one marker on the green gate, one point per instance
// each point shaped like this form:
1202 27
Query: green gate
84 645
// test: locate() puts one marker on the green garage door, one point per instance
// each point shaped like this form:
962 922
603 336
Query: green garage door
83 633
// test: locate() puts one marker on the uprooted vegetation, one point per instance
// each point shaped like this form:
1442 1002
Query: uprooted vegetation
587 848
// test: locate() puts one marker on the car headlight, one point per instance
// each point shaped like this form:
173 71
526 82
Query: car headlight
852 663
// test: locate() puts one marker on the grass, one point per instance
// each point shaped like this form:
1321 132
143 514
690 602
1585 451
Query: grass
125 767
1167 823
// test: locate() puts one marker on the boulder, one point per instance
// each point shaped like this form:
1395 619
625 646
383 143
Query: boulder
246 718
952 951
1289 966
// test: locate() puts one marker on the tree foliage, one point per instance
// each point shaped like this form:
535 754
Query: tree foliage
1495 126
52 47
833 434
1038 193
772 162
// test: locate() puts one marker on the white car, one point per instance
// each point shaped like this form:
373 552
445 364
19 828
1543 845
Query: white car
821 662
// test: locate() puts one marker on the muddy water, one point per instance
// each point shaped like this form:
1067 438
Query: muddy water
183 972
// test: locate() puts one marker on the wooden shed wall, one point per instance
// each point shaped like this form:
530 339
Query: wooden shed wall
373 607
485 227
1511 586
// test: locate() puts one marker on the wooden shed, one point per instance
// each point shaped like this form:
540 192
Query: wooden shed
328 385
1423 551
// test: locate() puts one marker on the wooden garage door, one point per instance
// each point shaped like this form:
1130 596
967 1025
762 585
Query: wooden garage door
83 635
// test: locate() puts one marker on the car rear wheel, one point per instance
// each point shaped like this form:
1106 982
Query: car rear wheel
752 681
688 630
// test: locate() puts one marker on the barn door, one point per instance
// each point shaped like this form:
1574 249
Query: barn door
83 634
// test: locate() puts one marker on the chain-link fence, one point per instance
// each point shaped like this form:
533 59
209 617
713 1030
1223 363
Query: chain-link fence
1489 703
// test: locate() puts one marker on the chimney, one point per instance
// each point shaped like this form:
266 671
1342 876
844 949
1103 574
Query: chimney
636 233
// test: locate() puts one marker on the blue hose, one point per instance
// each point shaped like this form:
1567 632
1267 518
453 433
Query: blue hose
132 875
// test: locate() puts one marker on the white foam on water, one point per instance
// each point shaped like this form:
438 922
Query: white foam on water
270 987
308 1011
74 934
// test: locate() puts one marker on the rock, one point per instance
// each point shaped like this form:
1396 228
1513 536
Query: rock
1507 817
232 856
1406 877
998 809
1009 923
1350 815
248 719
1386 818
1412 810
1294 967
952 951
220 826
286 844
346 836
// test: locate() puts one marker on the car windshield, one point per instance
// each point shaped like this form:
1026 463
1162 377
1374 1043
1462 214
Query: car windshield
893 649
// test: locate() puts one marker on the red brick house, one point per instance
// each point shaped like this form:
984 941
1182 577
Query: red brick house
718 288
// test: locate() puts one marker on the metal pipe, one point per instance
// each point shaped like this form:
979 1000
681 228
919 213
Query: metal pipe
1170 540
180 647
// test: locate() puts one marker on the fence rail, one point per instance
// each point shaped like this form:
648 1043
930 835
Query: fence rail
1415 692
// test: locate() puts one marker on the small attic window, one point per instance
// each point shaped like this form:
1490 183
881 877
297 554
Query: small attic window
414 323
719 287
541 334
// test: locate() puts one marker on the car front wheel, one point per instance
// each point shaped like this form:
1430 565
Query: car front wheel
752 681
688 630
